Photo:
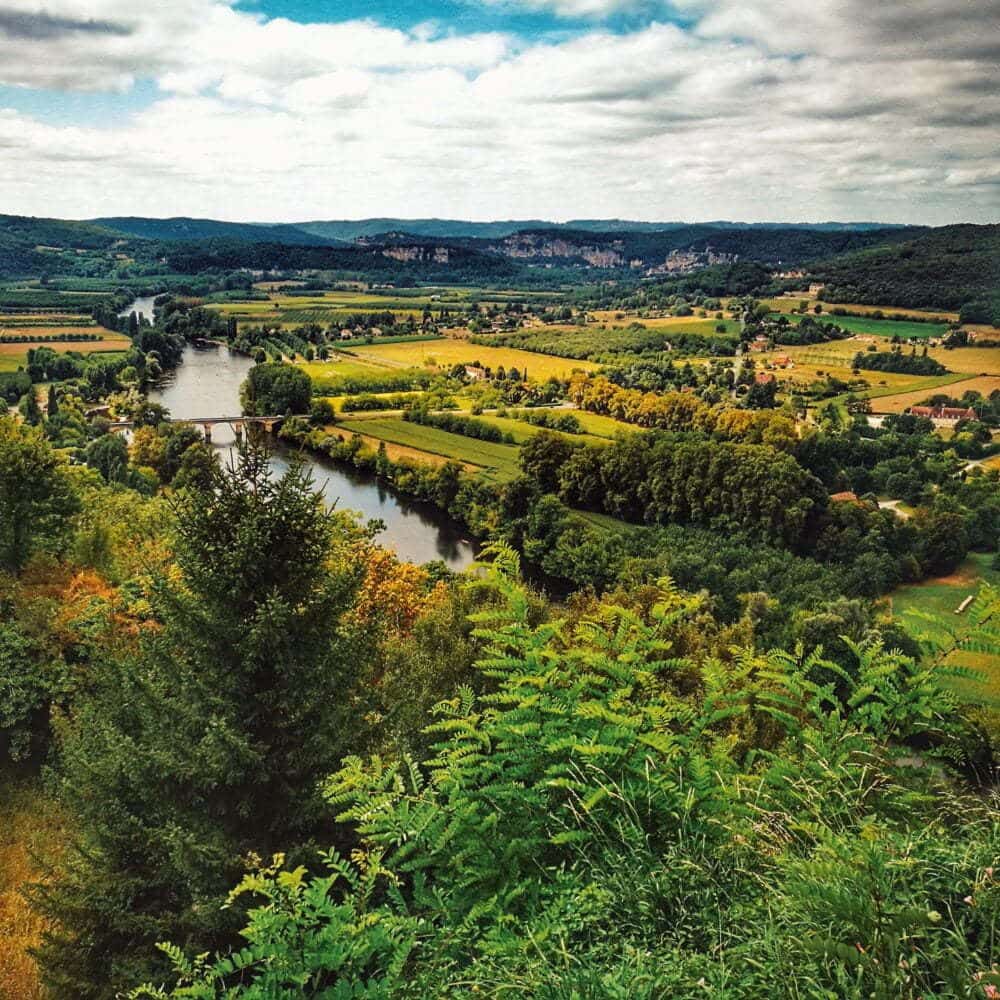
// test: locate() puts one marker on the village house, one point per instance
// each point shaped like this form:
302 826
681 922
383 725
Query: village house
475 373
764 378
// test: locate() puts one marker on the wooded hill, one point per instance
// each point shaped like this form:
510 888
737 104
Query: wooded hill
954 267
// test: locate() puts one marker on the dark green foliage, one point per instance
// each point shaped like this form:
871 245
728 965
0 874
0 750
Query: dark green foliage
109 456
553 420
276 389
685 478
30 681
618 820
35 495
897 361
947 268
206 743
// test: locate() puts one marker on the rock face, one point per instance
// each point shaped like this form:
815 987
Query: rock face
536 246
419 254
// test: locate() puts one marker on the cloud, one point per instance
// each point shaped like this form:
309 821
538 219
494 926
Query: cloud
839 109
42 25
586 9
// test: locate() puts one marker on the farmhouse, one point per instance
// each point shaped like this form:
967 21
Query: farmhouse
764 378
475 373
944 416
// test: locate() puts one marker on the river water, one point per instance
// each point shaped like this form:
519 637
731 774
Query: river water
144 307
207 384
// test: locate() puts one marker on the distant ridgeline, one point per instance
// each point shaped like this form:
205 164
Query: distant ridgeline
954 267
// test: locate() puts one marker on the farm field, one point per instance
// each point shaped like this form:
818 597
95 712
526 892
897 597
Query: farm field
446 353
898 403
610 318
942 596
344 366
522 431
396 452
818 362
879 327
840 353
969 360
788 302
15 355
605 427
331 307
498 461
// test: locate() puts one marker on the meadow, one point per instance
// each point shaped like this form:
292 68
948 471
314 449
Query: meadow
878 327
943 596
497 461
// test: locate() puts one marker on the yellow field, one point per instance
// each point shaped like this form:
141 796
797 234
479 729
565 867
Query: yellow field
897 404
109 343
611 318
446 353
969 360
965 360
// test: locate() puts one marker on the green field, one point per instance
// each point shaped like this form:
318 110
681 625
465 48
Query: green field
522 431
604 427
878 327
942 597
499 461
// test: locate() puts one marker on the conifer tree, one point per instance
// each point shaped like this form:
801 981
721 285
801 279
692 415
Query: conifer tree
204 747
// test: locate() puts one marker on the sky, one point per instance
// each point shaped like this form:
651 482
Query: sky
291 110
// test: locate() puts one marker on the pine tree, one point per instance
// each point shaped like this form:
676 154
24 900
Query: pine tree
205 746
52 403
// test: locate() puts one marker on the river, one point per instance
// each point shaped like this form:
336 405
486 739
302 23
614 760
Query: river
143 306
207 384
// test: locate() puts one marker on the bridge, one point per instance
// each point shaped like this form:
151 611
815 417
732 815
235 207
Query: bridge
207 423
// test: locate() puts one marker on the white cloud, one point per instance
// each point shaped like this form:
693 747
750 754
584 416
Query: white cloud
835 110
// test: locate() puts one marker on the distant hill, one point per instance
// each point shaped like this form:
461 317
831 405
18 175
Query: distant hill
26 243
182 229
947 268
444 228
616 249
